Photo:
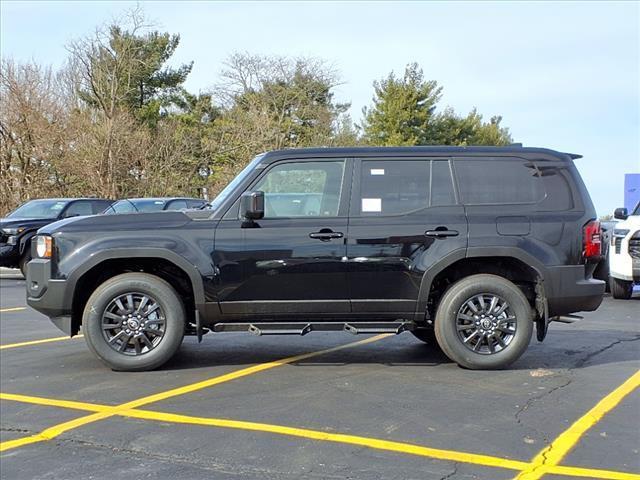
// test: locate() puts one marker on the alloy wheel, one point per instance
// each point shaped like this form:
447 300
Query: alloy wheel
133 323
485 324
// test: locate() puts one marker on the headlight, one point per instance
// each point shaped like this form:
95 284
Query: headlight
13 230
44 246
620 232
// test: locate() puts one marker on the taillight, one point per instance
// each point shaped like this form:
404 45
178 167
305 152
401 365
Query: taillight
591 239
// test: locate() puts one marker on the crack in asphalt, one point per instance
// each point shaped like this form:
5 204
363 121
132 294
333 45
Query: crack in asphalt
14 429
450 475
200 462
589 356
580 363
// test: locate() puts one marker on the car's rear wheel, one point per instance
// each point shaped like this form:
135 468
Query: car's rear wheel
134 322
620 289
484 322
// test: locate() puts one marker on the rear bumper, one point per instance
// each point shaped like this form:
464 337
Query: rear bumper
48 296
570 290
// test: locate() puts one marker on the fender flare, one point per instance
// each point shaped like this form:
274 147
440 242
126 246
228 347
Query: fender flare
24 239
472 252
189 268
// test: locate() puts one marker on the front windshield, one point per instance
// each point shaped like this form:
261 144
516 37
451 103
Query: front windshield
222 196
39 209
636 211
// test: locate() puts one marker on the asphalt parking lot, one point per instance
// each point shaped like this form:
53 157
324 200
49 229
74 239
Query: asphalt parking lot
326 405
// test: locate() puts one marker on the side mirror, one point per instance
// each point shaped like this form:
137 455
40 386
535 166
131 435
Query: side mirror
252 205
620 213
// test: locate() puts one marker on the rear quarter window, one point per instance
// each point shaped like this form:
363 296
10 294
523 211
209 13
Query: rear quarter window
499 181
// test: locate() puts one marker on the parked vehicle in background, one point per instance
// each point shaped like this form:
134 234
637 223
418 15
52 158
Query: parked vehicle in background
19 226
624 254
469 247
133 205
602 270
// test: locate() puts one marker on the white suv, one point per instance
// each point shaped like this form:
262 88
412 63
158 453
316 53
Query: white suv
624 253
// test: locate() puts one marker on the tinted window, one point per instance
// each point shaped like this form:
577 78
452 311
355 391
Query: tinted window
121 206
99 206
149 205
177 205
441 184
557 188
390 187
306 189
504 180
78 209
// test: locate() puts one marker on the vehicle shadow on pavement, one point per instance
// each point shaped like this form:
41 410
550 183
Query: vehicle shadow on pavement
563 349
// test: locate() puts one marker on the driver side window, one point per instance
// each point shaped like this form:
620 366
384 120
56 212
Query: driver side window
304 189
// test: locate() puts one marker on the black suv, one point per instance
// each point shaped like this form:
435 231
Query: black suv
20 225
468 247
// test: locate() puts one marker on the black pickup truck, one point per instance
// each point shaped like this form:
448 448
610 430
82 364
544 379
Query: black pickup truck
469 247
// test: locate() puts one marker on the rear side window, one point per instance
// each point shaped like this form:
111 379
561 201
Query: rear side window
78 209
99 206
499 181
392 187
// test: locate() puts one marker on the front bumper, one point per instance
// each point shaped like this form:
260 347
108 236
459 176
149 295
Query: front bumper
569 290
48 296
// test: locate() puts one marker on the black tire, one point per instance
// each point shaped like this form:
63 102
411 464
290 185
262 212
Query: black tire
602 272
171 316
518 314
620 289
24 259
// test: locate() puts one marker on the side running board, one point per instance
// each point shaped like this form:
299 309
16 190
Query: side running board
302 328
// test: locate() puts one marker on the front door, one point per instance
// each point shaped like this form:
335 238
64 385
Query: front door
404 217
292 261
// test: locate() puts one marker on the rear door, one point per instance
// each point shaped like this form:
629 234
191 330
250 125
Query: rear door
404 216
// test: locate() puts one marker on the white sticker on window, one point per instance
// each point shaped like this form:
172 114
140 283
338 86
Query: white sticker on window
377 171
371 204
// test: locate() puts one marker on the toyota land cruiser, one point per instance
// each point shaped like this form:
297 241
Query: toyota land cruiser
469 247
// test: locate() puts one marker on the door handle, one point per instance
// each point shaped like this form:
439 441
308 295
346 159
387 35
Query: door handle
326 235
437 233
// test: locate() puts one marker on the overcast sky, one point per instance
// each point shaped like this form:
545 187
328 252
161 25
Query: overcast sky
562 75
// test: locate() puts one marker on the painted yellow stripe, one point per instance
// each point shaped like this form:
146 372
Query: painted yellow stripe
56 430
52 402
13 309
375 443
37 342
385 445
242 373
591 473
556 451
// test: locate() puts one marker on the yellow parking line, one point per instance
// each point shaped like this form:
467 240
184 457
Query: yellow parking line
13 309
385 445
591 473
37 342
56 430
556 451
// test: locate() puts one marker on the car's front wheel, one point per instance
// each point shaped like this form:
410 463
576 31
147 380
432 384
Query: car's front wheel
620 289
134 322
484 322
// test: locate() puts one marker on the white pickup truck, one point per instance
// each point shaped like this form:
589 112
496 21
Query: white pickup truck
624 253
